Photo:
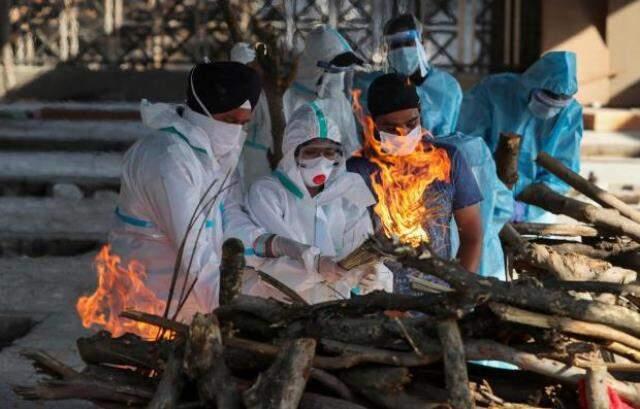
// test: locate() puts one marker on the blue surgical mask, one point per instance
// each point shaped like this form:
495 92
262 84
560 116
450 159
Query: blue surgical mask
404 60
541 110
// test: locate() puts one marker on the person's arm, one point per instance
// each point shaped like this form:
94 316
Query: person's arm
466 211
236 220
470 231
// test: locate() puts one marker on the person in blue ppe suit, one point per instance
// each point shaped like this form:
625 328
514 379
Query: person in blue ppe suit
440 93
496 207
322 66
538 105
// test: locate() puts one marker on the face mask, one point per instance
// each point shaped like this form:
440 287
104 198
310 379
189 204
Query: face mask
315 172
224 136
331 85
542 110
400 145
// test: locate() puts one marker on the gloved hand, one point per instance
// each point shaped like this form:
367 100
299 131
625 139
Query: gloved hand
369 283
330 270
282 246
242 53
519 210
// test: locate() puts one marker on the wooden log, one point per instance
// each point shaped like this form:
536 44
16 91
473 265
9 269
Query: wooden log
332 383
582 185
315 401
565 266
506 156
596 388
597 287
624 350
48 364
529 297
512 314
610 220
282 385
171 383
204 362
542 229
385 387
127 350
232 265
280 286
455 365
88 389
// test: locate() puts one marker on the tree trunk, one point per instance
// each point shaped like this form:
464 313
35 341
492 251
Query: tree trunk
171 383
232 265
542 229
610 220
582 185
282 385
506 156
455 365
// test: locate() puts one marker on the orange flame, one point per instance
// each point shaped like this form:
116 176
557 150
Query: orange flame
119 288
401 183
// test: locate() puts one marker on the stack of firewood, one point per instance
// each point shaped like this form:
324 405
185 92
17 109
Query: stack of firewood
569 319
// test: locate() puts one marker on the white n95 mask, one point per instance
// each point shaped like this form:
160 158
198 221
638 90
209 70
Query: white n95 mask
225 136
315 172
400 145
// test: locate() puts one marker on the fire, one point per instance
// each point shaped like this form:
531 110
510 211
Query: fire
119 288
401 183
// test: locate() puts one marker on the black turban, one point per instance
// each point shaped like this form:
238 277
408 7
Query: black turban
390 93
222 86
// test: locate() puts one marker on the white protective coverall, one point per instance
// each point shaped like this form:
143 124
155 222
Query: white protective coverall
164 177
254 162
312 82
336 220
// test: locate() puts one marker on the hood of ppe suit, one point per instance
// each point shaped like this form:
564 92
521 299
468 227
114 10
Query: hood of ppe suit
307 123
323 44
555 72
163 116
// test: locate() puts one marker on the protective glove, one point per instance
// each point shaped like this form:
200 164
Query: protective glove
330 270
519 210
369 283
242 53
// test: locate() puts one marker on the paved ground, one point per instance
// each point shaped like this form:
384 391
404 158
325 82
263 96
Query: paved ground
46 288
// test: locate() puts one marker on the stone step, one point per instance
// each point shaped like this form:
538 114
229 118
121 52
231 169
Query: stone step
71 135
86 219
90 169
621 144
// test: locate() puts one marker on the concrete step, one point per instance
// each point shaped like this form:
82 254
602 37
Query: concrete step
94 169
613 172
45 226
623 144
71 135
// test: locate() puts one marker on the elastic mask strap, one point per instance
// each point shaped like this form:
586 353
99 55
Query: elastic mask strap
193 89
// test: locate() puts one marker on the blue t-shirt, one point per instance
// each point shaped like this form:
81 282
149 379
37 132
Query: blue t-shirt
462 191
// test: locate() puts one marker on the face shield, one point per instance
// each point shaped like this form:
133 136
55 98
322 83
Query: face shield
406 54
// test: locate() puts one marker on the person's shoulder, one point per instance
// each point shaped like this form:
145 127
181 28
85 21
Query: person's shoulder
443 75
500 80
360 164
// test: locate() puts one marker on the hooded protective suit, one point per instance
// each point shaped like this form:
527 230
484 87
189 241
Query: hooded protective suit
259 141
500 104
164 177
312 82
336 220
496 207
440 93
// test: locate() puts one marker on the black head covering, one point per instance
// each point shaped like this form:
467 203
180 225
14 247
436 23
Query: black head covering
222 86
390 93
403 22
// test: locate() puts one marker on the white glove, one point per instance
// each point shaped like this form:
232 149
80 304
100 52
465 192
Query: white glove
330 270
242 53
369 283
282 246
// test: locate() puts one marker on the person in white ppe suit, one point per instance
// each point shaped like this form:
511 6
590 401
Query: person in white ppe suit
315 213
165 176
258 145
326 58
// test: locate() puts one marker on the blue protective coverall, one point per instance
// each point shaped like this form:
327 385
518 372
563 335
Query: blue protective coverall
500 104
